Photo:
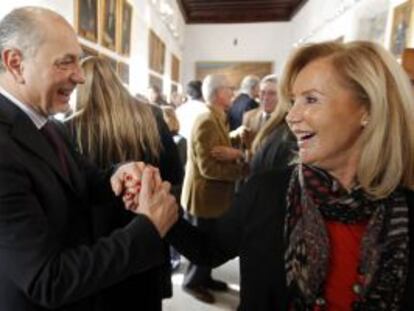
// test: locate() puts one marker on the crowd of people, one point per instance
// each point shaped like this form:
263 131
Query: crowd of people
308 179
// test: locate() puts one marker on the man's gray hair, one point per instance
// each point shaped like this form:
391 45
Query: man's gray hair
248 84
21 29
211 84
272 78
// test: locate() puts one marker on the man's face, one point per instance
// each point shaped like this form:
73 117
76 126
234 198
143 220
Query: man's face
51 75
225 95
268 96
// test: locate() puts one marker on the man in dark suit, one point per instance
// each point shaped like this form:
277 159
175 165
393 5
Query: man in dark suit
245 101
49 258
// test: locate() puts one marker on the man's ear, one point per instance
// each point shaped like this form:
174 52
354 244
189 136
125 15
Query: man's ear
12 60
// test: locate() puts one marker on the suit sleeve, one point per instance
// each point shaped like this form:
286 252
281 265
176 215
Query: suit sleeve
224 241
204 138
33 257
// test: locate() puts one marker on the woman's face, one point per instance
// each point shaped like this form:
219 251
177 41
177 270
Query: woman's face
326 118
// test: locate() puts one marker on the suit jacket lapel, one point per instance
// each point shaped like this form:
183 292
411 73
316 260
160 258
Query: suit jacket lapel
26 134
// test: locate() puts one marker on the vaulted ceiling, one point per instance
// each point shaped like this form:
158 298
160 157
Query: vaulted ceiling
238 11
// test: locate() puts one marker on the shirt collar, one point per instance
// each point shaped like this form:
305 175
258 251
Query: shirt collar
38 119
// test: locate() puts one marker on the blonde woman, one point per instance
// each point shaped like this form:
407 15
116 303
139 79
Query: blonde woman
111 126
335 231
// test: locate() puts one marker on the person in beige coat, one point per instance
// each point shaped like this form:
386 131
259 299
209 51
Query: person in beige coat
255 119
209 183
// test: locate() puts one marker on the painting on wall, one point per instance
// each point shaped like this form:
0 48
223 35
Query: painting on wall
400 30
108 27
234 71
126 27
86 19
155 80
123 72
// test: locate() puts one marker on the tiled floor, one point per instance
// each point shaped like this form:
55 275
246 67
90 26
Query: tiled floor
181 301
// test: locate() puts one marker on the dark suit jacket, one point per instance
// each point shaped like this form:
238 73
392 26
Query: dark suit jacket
253 230
240 105
143 291
276 152
48 255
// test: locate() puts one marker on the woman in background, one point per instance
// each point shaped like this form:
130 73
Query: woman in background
111 126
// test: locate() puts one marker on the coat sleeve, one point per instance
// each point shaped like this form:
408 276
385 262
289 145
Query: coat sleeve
205 138
34 258
224 241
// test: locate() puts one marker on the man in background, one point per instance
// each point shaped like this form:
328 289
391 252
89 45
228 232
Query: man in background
245 101
208 186
188 112
256 118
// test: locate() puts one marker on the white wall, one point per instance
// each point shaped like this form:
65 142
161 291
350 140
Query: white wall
318 20
146 16
256 42
324 20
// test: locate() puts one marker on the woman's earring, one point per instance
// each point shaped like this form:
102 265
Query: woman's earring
364 122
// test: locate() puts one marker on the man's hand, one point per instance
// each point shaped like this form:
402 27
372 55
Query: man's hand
156 202
226 154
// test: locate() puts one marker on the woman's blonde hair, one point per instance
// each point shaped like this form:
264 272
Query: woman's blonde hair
111 125
379 83
171 119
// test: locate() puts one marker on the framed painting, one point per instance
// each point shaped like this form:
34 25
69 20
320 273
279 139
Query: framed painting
86 19
156 53
400 31
175 68
108 28
155 80
234 71
123 72
125 28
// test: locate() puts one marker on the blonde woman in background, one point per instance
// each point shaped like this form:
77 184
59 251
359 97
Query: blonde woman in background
111 126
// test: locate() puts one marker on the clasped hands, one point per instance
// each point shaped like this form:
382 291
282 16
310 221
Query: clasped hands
144 192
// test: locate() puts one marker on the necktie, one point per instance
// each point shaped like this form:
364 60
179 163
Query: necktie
58 146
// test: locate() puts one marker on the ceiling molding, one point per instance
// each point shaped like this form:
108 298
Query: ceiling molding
238 11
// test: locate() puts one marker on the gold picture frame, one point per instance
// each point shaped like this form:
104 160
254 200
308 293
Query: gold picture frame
401 28
109 19
123 72
125 28
86 19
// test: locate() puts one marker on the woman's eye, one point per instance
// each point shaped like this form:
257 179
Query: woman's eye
311 99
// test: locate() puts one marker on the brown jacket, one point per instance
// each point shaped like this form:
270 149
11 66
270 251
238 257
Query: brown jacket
208 186
254 120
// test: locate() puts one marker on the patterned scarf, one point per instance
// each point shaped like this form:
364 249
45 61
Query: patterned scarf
314 197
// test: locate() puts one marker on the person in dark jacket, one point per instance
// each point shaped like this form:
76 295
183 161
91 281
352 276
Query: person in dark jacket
123 129
50 258
245 101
